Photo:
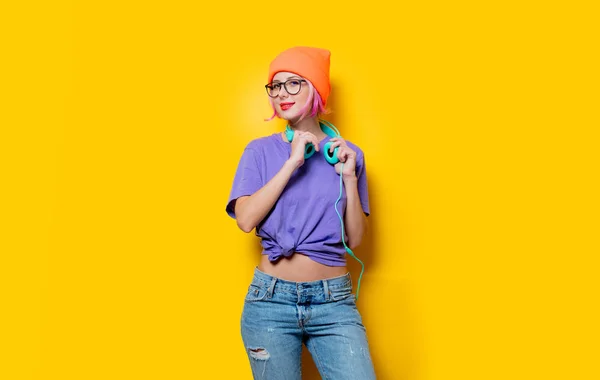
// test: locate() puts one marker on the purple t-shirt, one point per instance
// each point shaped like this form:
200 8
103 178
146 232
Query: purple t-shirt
303 219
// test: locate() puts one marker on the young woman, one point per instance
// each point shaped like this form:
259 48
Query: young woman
304 190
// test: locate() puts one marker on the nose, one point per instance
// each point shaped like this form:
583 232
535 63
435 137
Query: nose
282 90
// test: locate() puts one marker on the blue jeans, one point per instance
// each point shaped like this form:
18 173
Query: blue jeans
280 315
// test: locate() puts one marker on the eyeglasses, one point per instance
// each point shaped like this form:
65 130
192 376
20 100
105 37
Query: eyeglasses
292 87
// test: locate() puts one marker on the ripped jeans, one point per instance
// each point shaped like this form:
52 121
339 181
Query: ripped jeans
280 315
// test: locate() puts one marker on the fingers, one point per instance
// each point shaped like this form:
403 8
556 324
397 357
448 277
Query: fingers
338 167
335 145
342 154
346 154
337 141
307 137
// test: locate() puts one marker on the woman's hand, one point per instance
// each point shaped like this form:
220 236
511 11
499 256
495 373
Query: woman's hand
346 155
298 146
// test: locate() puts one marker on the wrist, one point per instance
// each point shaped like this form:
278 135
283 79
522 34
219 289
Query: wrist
292 164
350 179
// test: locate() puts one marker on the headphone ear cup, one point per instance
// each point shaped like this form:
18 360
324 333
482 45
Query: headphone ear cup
331 157
309 150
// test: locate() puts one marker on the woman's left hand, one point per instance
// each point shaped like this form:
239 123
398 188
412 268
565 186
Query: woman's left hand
346 155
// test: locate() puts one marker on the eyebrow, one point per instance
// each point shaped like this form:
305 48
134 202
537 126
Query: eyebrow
292 77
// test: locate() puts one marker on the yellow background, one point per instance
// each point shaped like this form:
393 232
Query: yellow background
121 125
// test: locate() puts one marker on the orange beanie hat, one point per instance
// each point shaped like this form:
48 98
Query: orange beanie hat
308 62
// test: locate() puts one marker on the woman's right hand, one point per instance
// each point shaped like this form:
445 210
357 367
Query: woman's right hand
299 142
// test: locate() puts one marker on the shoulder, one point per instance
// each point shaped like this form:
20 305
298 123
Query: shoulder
261 144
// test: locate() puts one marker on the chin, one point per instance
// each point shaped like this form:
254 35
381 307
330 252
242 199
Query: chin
289 116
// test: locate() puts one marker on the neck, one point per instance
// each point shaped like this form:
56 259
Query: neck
308 125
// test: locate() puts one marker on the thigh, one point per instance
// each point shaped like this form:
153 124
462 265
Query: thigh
337 341
271 336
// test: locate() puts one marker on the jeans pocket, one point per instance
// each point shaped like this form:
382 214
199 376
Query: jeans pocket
339 294
256 293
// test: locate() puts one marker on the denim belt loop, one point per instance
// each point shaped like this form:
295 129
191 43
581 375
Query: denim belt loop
326 289
271 287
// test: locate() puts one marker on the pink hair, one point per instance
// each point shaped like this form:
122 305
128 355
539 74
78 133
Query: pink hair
314 105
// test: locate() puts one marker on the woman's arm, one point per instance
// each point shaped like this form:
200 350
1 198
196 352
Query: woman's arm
355 220
252 209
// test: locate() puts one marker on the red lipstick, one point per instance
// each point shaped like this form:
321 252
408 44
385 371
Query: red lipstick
286 106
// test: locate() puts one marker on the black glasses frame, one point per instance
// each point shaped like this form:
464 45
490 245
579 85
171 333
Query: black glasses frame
270 85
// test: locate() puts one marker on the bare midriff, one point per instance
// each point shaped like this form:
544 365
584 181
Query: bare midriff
299 268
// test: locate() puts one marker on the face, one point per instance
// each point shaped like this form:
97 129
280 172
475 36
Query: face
288 106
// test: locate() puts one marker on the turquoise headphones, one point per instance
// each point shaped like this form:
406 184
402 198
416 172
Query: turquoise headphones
332 158
330 130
